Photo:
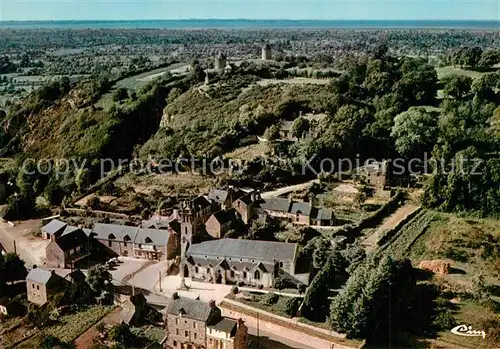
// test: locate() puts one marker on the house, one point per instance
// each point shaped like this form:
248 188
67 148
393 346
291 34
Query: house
53 229
277 208
67 247
187 320
191 323
374 173
236 261
324 217
42 284
245 206
118 239
301 213
154 244
225 198
145 243
227 333
220 223
298 213
162 222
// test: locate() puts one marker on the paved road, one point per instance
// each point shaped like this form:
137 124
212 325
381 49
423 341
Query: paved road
273 341
288 189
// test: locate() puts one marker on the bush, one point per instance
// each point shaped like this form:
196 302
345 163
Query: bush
271 298
279 283
234 290
302 288
292 306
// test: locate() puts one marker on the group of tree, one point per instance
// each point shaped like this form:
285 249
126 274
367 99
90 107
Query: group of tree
475 57
381 299
11 269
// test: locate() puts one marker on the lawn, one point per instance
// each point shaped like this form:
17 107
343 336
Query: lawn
134 82
70 326
448 71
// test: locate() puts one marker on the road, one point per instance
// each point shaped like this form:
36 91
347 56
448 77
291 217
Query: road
273 341
30 249
288 189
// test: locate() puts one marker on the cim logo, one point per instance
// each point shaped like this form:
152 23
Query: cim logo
467 331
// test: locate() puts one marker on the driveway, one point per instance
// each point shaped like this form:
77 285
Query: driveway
31 249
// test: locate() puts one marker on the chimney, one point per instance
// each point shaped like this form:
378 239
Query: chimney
34 266
175 295
53 272
240 322
211 303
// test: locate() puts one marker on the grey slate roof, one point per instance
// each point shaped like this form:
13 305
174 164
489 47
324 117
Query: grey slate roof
225 216
158 237
304 207
199 203
324 214
276 204
40 276
69 229
192 308
55 226
218 195
251 249
102 231
225 325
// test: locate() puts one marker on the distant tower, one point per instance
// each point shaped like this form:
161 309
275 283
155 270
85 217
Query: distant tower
207 78
267 52
220 62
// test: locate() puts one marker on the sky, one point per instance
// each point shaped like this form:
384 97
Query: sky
21 10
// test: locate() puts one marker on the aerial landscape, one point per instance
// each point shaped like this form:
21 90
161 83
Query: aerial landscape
285 181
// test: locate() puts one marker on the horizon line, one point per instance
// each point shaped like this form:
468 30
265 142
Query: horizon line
253 19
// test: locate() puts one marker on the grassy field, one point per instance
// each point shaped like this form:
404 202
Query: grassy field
248 152
184 183
471 246
70 326
134 83
448 71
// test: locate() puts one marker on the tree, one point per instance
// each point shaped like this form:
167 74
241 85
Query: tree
292 306
121 333
371 292
457 86
300 127
415 131
279 283
470 56
98 278
120 94
94 202
272 133
14 267
489 58
495 123
315 304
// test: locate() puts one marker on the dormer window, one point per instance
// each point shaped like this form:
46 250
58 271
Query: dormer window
111 237
147 240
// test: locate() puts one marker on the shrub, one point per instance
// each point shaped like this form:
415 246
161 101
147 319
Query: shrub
292 306
279 283
271 298
302 288
235 290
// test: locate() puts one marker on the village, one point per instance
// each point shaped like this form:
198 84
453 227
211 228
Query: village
191 263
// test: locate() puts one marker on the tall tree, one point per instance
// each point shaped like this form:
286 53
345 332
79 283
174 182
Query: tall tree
415 131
